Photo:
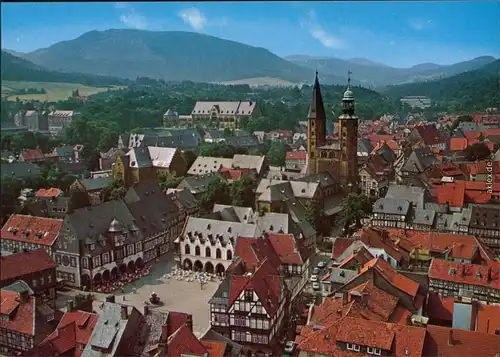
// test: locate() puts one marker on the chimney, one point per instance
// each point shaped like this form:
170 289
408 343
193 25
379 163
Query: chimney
124 312
146 310
450 338
189 321
110 298
70 304
345 297
24 296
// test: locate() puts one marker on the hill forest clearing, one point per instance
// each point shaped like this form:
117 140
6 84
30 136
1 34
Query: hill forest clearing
49 91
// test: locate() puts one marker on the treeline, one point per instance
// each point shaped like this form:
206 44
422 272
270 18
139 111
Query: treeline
18 69
466 92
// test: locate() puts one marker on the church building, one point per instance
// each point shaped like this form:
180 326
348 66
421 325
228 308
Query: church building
337 156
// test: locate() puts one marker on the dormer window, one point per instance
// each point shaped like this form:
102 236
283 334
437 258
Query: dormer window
353 347
374 351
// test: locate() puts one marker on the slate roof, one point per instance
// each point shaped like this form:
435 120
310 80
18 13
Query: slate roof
139 158
22 170
99 183
225 230
416 195
419 160
110 330
90 223
197 184
392 206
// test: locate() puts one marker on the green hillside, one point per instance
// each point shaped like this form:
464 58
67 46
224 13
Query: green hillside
18 69
171 56
468 91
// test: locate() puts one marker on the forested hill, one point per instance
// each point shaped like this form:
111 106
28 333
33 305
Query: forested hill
19 69
169 55
468 91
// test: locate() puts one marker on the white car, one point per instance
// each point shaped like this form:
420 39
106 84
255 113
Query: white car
289 346
321 264
316 270
314 278
316 286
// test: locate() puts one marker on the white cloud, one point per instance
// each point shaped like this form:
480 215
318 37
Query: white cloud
131 18
194 18
319 33
134 20
419 24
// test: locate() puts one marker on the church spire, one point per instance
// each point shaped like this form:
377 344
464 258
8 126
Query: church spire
316 108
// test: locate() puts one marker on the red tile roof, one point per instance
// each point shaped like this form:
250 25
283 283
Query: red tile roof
32 154
398 280
251 252
49 192
463 343
458 144
286 248
375 239
214 348
459 246
296 155
488 318
265 281
18 265
22 314
74 328
439 307
402 340
234 174
36 230
463 273
339 246
430 134
184 342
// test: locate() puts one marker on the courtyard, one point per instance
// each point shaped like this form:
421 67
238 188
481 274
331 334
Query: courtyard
175 295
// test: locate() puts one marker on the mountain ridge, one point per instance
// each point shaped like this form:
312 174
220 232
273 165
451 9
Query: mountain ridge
169 55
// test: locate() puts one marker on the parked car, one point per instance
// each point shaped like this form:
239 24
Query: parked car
289 346
316 271
314 278
316 286
321 265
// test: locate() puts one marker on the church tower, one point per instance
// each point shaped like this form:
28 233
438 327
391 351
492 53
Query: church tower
316 126
348 139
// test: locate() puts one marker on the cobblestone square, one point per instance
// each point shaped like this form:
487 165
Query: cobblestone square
175 295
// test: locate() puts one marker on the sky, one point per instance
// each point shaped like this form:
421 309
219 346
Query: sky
399 34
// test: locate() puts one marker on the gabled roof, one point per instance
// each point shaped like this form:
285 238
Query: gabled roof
32 154
467 274
75 328
36 230
161 156
265 282
396 279
183 342
49 192
22 314
449 342
24 263
430 134
401 340
98 183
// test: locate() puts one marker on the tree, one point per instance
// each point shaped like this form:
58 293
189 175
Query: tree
116 190
242 192
478 151
216 192
355 207
170 181
313 213
228 133
460 119
217 150
277 153
11 189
